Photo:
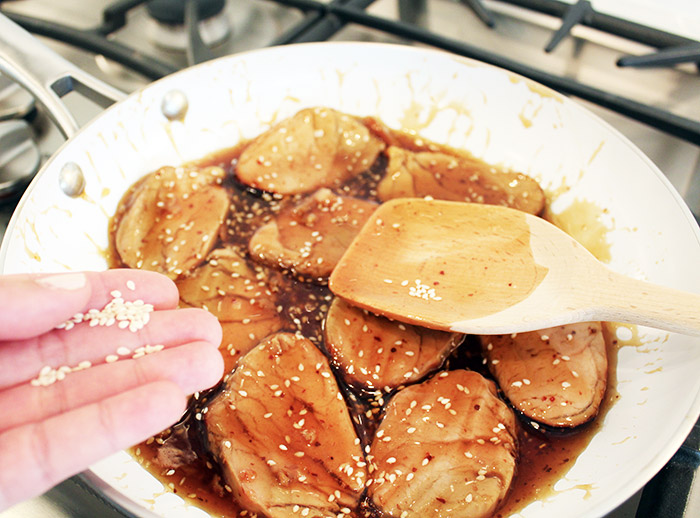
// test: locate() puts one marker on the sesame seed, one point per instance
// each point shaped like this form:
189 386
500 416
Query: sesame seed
132 315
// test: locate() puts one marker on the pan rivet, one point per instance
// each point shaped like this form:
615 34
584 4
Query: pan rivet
71 179
174 105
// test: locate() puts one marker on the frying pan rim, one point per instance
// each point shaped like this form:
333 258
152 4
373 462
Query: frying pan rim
633 483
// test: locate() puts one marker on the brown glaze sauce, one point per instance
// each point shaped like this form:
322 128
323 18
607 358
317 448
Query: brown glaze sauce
178 456
545 458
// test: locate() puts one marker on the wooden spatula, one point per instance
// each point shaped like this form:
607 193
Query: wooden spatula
485 269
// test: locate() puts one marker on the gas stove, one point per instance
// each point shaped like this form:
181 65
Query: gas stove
634 63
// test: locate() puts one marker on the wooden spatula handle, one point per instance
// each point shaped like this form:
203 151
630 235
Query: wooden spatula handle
623 299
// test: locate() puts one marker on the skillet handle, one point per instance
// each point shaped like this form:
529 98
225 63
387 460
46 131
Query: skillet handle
48 76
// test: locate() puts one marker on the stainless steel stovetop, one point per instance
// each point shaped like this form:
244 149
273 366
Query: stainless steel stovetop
587 55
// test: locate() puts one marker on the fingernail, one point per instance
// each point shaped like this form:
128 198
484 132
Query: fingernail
63 281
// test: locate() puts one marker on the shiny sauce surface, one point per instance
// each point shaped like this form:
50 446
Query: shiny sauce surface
179 457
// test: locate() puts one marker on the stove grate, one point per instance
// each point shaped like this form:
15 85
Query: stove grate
322 20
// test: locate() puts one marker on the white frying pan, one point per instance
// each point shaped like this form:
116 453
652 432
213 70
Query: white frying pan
496 115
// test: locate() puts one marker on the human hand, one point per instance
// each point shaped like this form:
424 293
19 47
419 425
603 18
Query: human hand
69 397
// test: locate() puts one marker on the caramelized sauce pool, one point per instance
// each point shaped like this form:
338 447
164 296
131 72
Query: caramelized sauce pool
178 457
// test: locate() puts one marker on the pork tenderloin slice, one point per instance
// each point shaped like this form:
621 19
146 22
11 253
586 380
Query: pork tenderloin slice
373 352
317 147
457 177
170 221
310 237
554 376
282 434
446 447
242 297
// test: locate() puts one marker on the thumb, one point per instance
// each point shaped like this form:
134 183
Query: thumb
32 304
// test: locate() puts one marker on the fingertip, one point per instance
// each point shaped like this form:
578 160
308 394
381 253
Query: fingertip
213 328
168 289
162 403
210 368
200 324
195 366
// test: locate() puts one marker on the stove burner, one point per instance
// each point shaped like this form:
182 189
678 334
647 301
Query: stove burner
168 23
19 157
172 12
15 101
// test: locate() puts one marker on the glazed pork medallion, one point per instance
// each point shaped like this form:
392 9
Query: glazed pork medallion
171 219
318 147
327 410
282 433
555 376
446 447
241 295
309 238
459 178
372 352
